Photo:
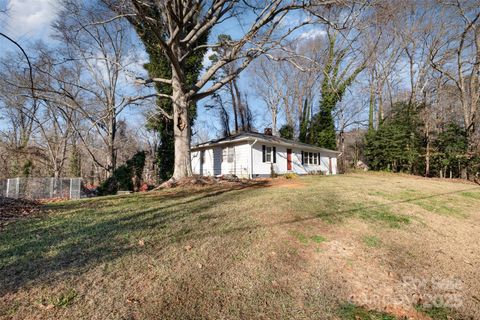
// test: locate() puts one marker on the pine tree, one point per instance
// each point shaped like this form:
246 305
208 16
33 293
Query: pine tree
323 129
452 146
75 162
286 132
397 145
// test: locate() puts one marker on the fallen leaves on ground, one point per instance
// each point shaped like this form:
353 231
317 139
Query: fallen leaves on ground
14 209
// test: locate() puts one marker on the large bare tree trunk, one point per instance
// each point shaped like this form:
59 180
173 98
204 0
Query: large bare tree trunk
274 121
371 109
181 130
111 151
234 105
240 106
110 160
343 165
427 155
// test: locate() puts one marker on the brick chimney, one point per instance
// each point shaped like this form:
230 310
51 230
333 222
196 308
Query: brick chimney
267 131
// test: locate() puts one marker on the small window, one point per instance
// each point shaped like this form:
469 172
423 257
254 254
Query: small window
311 158
268 154
228 154
231 154
224 154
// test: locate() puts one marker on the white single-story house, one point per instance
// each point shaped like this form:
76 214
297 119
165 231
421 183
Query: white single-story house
251 155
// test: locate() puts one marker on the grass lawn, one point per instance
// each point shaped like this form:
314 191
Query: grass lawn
357 246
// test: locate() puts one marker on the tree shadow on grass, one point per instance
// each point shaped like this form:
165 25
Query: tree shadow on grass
83 235
379 212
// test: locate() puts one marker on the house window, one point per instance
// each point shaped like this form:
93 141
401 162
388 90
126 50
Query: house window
228 154
312 158
231 154
269 154
224 154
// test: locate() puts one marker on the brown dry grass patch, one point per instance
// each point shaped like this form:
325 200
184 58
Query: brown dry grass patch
294 250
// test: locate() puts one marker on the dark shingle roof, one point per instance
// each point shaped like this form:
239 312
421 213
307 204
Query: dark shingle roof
259 136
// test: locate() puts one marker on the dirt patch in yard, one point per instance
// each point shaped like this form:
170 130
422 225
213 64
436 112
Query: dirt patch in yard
404 272
285 183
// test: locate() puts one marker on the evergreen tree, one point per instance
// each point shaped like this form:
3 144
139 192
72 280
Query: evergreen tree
323 129
27 168
75 162
126 177
286 132
397 144
452 146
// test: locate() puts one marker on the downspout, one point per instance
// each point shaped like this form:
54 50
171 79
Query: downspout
251 158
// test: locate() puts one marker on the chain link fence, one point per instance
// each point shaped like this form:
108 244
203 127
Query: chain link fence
41 188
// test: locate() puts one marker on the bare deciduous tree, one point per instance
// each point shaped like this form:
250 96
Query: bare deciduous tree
456 56
96 56
182 23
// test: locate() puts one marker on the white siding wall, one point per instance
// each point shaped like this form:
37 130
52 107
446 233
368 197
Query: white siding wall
334 165
264 169
240 166
261 168
214 163
195 156
205 168
325 162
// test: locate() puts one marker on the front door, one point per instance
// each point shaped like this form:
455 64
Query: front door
289 159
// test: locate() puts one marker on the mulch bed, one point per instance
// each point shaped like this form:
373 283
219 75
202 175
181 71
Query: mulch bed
15 209
201 181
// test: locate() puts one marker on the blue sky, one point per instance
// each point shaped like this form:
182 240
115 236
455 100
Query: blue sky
29 20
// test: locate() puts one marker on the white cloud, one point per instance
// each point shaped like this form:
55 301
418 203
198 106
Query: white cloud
312 34
206 62
31 18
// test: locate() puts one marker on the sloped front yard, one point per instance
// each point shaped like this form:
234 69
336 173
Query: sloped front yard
359 246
